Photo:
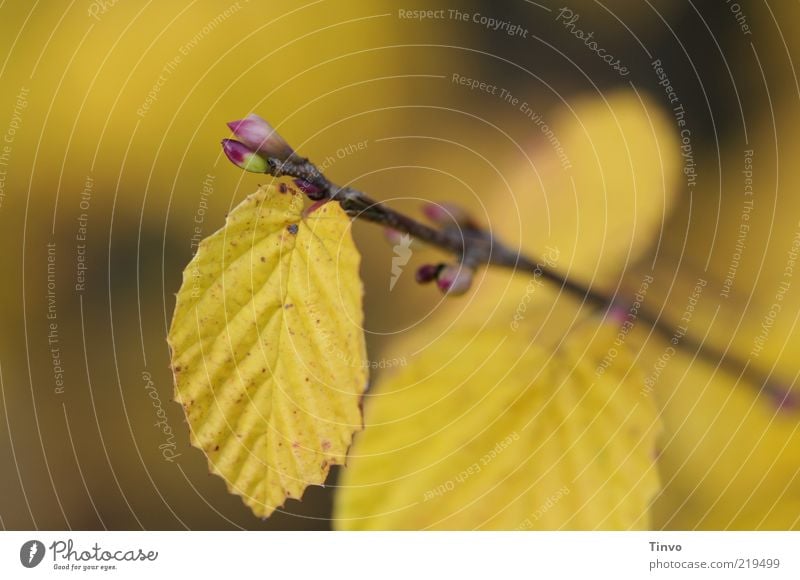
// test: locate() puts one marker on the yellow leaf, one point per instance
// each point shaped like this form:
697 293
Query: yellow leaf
493 429
608 206
268 347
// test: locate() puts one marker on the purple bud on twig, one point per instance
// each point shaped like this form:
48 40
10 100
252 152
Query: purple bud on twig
392 236
259 135
307 187
242 156
427 273
454 280
783 398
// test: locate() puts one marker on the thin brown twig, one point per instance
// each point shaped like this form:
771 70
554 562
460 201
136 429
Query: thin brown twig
475 247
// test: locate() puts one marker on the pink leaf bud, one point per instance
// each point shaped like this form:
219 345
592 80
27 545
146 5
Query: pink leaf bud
242 156
392 236
427 273
259 135
454 280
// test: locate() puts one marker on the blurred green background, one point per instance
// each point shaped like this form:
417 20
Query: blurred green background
111 114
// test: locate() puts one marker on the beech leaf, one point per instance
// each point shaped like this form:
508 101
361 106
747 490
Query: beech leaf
268 347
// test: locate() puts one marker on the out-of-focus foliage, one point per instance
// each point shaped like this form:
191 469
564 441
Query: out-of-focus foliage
492 429
622 154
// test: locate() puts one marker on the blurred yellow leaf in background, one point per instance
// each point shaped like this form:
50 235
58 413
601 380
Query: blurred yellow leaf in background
604 201
268 349
491 430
